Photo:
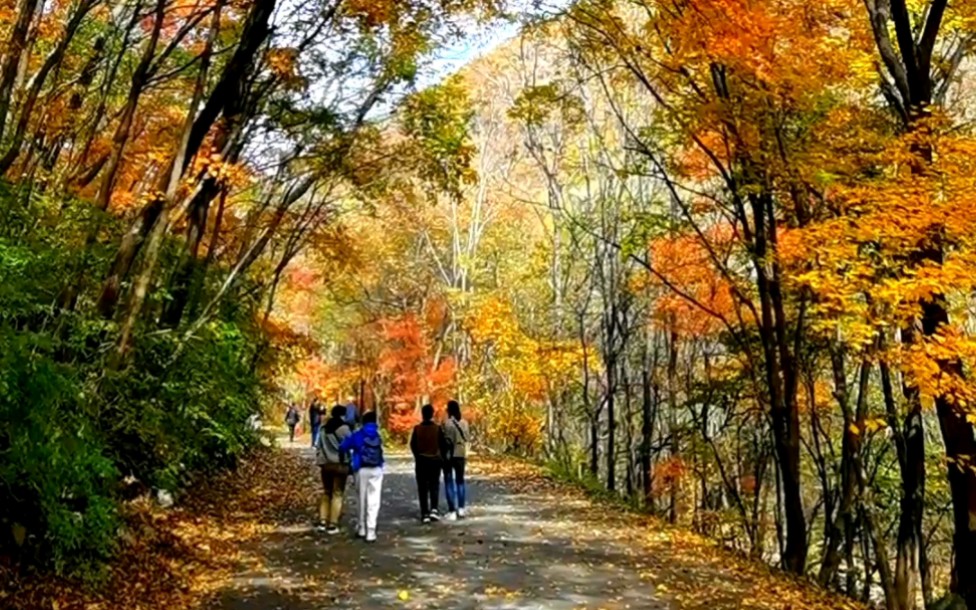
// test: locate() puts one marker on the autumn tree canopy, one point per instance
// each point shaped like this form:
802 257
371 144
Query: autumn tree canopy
714 256
165 165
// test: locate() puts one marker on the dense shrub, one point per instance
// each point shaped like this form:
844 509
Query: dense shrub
55 477
77 437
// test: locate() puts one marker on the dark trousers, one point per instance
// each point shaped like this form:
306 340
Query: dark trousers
454 487
428 484
291 433
334 478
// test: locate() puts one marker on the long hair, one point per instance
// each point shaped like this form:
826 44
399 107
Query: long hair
454 409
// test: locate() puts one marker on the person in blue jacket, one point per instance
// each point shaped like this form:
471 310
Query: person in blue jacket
314 419
366 446
352 414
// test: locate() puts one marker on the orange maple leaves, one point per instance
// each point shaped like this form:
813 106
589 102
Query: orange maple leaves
695 296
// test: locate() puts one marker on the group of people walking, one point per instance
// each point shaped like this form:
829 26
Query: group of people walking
343 447
438 448
316 413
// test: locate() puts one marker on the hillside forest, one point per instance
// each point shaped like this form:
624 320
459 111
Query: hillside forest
714 259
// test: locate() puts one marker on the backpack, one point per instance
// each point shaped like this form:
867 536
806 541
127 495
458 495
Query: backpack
371 454
450 442
324 443
333 446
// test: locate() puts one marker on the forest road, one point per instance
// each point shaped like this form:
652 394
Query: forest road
521 548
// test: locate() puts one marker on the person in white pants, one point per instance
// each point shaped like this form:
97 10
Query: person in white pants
366 446
370 481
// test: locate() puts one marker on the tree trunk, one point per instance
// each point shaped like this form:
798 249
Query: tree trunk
75 102
196 289
229 90
850 446
781 378
293 194
79 175
611 364
140 78
591 413
628 430
960 447
13 51
647 475
126 254
672 390
910 70
185 274
52 61
908 437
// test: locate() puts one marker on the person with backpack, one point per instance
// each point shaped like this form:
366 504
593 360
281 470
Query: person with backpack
455 430
332 461
427 444
292 417
366 446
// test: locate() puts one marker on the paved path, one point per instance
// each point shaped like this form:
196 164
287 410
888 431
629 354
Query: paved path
518 550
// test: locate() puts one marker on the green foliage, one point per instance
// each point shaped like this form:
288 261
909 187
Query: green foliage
77 438
576 474
55 477
438 121
537 104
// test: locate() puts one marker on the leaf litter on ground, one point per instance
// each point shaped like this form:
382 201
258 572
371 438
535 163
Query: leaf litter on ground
690 571
178 559
174 558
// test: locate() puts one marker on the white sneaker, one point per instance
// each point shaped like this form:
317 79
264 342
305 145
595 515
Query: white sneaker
320 528
425 520
332 530
452 516
360 534
461 514
435 515
371 537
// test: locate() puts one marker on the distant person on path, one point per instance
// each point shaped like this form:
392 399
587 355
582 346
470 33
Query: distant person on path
352 414
366 446
455 430
314 419
335 469
292 417
427 444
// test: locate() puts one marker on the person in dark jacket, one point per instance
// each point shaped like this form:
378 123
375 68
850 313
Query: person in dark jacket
456 434
314 419
292 417
428 445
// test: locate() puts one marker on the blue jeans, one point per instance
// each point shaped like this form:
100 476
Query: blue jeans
454 487
315 433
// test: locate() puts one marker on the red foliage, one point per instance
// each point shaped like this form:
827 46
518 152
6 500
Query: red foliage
705 297
414 373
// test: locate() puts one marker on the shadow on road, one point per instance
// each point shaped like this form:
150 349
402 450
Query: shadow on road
517 551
